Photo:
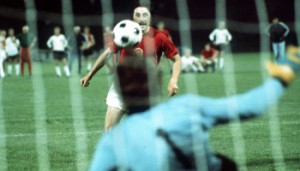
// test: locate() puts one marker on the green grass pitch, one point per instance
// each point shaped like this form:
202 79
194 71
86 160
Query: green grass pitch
18 111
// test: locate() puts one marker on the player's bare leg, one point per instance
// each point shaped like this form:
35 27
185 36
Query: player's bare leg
89 64
57 68
221 61
66 68
113 116
17 66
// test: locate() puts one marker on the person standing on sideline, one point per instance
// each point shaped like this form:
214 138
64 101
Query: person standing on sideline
278 32
27 41
88 47
76 45
190 63
2 52
220 38
58 44
152 45
12 50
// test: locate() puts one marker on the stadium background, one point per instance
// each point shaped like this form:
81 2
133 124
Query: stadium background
241 17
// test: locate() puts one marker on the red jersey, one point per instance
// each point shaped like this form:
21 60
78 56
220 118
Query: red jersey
153 44
208 54
166 32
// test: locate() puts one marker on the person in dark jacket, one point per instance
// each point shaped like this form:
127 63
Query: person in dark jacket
278 32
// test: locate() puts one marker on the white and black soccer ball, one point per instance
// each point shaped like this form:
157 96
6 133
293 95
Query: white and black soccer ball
127 33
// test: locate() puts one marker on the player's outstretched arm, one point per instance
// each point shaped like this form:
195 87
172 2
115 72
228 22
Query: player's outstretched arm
256 101
244 106
97 66
172 86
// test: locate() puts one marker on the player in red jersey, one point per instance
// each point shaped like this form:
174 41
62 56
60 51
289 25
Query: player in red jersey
209 57
153 44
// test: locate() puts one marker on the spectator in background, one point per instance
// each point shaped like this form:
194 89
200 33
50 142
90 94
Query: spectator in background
2 52
190 63
58 44
278 32
209 57
88 47
107 38
220 38
27 41
76 44
12 50
161 27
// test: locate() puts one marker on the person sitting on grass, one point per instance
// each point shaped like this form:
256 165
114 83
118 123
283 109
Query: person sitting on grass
174 135
209 57
190 63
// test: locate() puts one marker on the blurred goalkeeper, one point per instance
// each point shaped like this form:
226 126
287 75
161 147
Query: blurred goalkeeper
173 135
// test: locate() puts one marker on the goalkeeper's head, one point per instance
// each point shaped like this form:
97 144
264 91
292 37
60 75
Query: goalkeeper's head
139 83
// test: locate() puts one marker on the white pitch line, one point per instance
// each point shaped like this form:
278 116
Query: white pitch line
41 134
248 123
97 132
3 135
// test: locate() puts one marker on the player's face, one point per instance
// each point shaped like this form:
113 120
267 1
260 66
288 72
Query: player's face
160 26
25 29
76 30
3 33
11 32
275 20
57 31
207 47
222 25
187 52
142 16
86 30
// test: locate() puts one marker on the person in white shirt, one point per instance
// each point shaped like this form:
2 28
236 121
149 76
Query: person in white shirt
2 52
220 38
190 63
58 44
12 49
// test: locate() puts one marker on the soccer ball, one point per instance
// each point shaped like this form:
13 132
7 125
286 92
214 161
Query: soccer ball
127 33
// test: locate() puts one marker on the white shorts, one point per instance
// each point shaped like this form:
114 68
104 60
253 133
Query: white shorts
114 99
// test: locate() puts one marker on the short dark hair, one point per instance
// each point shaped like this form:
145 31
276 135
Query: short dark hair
138 80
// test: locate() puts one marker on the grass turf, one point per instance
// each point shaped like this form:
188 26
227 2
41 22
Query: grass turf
18 108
